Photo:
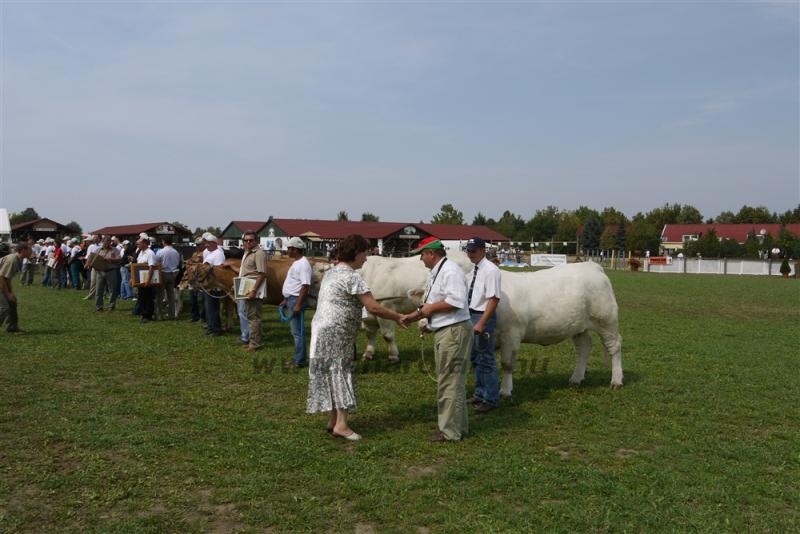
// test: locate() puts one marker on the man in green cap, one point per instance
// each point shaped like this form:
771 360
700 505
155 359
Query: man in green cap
445 308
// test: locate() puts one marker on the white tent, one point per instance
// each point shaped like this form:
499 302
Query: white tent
5 225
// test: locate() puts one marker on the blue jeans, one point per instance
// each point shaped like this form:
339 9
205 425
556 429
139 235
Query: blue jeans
125 290
244 325
213 323
484 365
297 328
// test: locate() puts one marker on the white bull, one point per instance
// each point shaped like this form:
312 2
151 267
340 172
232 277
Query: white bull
546 307
391 280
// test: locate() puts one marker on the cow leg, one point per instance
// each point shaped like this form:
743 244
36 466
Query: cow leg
387 331
612 343
178 301
508 359
371 330
583 346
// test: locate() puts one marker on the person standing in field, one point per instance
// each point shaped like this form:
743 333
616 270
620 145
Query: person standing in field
9 266
444 306
483 296
295 297
254 265
343 293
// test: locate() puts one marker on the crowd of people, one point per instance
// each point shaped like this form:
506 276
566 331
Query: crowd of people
460 314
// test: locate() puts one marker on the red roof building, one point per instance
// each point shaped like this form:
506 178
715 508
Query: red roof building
393 238
36 229
131 232
673 236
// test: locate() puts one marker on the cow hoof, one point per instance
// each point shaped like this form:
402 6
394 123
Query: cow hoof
504 395
616 386
367 357
574 383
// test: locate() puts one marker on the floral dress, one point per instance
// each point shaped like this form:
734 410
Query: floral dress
333 333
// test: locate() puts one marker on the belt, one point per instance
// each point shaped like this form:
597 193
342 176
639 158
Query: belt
471 310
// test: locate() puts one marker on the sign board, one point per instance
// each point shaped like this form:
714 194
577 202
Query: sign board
548 260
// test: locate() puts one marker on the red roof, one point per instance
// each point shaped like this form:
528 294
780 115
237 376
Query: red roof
337 229
451 232
379 230
673 233
131 229
248 226
25 224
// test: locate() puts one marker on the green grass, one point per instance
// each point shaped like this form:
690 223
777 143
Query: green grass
107 425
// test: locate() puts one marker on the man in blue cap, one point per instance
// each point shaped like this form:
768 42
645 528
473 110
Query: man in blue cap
483 296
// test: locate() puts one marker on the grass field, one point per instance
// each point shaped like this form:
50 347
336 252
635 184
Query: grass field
107 425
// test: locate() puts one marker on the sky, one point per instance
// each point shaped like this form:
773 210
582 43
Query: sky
206 112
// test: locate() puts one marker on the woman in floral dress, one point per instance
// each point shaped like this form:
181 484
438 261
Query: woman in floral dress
333 333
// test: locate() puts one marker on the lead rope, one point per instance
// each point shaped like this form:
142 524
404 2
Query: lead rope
422 358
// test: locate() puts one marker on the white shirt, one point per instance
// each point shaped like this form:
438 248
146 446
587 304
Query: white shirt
487 285
447 282
217 257
299 275
147 256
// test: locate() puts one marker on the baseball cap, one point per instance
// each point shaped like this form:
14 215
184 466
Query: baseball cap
428 243
476 243
296 242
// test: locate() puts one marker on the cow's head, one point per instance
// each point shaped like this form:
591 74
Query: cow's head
416 295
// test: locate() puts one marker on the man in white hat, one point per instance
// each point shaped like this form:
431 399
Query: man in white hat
295 294
49 253
92 246
213 256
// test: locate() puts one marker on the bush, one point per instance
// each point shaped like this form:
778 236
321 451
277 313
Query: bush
785 268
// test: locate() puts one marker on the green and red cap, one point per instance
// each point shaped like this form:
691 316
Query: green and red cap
428 243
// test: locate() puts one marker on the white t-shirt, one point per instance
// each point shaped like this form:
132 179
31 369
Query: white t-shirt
217 257
299 275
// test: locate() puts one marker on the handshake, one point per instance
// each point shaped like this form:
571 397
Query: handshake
417 315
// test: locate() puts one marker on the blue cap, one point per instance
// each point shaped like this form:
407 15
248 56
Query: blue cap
476 243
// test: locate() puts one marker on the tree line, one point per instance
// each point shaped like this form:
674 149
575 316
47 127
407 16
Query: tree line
566 231
587 229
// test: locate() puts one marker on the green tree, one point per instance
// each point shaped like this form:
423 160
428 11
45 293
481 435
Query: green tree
583 213
750 215
608 239
74 228
612 216
448 215
592 232
729 248
28 214
369 217
791 216
643 236
689 215
479 220
726 217
513 226
789 243
620 238
544 224
342 216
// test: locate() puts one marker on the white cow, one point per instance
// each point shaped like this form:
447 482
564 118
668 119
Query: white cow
546 307
390 280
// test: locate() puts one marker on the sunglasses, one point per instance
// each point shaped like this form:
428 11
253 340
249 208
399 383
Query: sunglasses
249 240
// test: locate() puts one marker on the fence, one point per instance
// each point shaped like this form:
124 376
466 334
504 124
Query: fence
720 266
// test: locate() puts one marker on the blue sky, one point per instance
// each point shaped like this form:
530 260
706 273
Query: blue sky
207 112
